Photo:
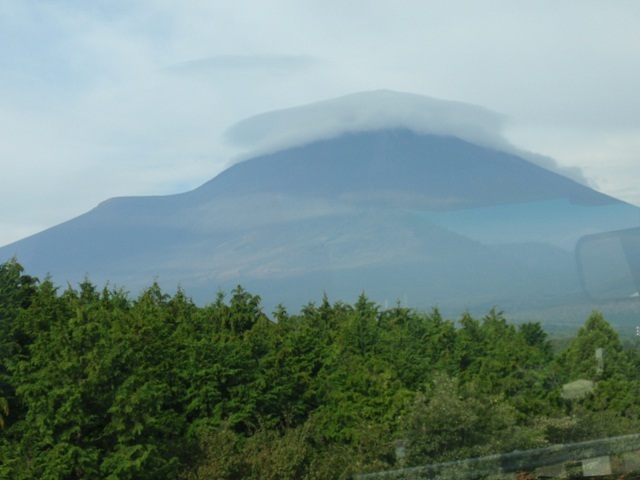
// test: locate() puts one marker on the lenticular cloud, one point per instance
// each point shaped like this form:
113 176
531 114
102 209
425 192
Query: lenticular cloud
376 110
364 112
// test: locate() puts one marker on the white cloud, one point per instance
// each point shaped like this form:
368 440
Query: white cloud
367 111
382 109
238 63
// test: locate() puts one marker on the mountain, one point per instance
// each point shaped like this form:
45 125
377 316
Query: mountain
429 220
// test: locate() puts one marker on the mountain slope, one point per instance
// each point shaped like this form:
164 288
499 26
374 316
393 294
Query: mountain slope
430 219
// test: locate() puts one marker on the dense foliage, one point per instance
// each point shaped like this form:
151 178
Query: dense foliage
94 384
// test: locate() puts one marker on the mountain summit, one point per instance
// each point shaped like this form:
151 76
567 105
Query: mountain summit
400 214
380 110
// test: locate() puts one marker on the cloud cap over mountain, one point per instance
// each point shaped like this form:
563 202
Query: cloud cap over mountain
377 110
365 111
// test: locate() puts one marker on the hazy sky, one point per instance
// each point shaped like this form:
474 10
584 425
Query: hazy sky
109 98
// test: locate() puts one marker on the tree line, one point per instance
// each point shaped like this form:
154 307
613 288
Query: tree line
96 384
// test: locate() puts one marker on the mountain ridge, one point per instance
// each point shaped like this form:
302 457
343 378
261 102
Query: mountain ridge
390 212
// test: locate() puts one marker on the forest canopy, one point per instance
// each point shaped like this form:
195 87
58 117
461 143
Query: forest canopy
96 384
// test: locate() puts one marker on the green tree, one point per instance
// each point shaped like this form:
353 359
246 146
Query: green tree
452 421
579 359
17 291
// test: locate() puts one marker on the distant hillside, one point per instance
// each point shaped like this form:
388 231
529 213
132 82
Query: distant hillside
424 219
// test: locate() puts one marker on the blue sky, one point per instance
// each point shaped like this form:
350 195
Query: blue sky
109 98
